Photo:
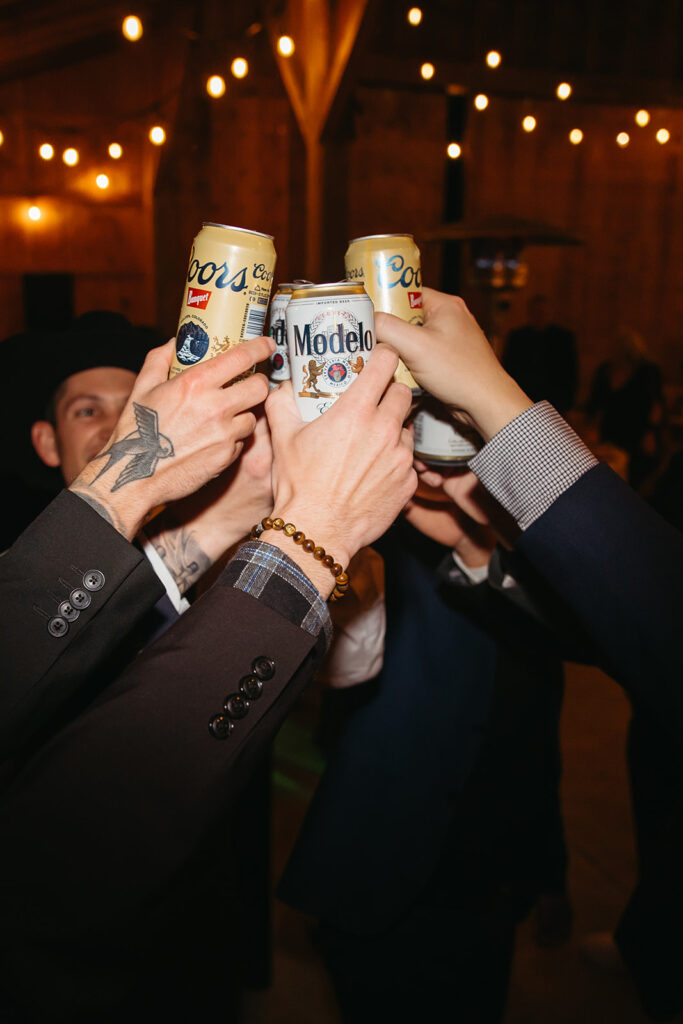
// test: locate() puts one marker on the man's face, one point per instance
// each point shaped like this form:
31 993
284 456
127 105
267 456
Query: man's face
87 407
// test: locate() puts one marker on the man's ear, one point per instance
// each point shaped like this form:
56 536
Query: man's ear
44 440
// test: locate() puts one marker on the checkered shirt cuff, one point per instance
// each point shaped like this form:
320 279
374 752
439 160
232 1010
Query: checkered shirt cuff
268 574
531 462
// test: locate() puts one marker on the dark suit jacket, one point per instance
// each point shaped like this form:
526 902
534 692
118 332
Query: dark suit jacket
398 795
104 817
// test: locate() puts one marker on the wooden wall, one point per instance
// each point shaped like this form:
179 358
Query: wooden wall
627 205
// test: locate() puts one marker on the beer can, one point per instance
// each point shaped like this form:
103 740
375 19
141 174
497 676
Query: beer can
226 295
279 361
330 334
438 441
389 267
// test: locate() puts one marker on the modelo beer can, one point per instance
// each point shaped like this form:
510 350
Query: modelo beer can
279 361
389 267
330 334
226 294
438 442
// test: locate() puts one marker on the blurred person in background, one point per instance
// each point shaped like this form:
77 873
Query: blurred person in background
541 356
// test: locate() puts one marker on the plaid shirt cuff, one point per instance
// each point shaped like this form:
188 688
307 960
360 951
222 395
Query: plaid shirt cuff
531 462
268 574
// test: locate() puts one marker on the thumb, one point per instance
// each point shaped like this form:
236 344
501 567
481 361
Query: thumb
156 366
284 419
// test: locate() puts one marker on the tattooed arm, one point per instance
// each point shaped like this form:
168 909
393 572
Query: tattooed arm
173 435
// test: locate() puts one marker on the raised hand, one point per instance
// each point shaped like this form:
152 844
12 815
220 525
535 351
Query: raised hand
174 435
452 360
343 478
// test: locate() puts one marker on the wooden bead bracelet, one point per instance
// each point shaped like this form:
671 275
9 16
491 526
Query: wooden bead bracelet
341 578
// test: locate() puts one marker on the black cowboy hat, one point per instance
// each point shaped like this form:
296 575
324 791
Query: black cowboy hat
35 364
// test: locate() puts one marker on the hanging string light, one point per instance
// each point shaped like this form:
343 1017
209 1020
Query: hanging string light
239 67
454 150
285 46
46 151
132 28
102 181
563 91
493 59
215 86
70 156
481 101
529 123
623 139
34 213
662 136
2 138
157 135
115 151
414 16
575 136
427 71
642 118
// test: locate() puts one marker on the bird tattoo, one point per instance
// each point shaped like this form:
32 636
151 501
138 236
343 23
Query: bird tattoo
145 446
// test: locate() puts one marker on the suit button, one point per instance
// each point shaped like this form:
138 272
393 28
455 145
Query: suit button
68 612
220 727
236 705
93 580
80 599
251 687
57 626
263 667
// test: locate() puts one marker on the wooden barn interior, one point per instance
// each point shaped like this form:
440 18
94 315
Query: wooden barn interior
371 120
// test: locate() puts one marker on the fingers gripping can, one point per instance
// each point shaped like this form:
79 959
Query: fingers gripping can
226 293
389 267
279 361
330 334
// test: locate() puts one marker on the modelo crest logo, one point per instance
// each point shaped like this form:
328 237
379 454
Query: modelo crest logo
394 272
328 335
220 275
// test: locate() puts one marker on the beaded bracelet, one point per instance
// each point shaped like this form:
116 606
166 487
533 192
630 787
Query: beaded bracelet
341 578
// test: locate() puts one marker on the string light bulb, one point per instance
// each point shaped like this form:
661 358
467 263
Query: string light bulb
46 151
157 135
115 151
481 101
70 156
239 67
102 181
215 86
285 46
623 139
493 59
34 213
454 150
132 27
575 136
2 138
529 123
563 91
427 71
642 118
414 16
662 136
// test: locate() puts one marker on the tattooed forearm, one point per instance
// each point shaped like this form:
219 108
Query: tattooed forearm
107 514
142 447
182 555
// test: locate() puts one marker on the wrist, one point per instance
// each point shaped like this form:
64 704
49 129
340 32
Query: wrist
122 515
319 562
497 406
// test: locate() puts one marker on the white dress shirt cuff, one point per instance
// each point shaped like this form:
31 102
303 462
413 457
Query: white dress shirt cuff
180 603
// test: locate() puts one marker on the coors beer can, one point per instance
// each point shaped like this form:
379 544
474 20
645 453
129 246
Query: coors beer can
227 291
438 442
330 334
279 361
389 267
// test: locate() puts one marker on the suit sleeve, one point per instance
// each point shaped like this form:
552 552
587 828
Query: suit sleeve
102 819
619 568
71 587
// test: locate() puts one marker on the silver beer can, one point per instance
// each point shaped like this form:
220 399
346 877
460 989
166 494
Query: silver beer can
226 293
439 443
330 334
279 361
